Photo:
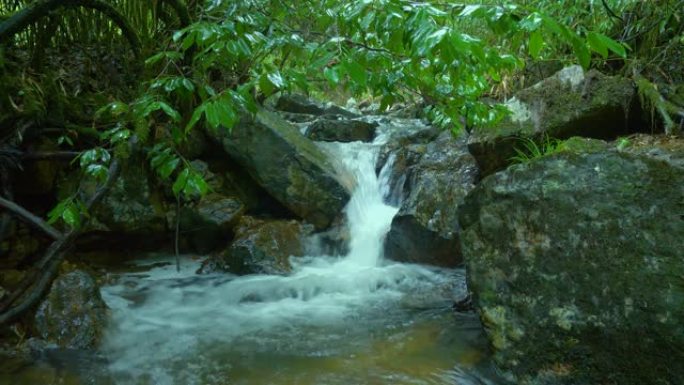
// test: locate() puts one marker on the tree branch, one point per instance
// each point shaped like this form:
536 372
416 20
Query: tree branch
31 219
610 12
32 288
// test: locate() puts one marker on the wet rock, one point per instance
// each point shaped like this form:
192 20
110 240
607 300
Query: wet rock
570 103
287 165
438 176
341 130
300 104
73 315
208 224
261 247
131 206
575 263
297 118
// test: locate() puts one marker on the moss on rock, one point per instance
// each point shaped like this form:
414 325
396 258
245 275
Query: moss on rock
575 261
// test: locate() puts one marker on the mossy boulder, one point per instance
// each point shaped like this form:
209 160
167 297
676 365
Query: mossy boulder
132 206
287 165
438 176
261 247
73 314
569 103
341 130
575 261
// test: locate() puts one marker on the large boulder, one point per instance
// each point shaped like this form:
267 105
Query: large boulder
287 165
569 103
438 177
575 261
261 247
341 130
73 315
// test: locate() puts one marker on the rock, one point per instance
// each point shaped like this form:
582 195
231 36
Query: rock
208 224
287 165
438 177
575 263
131 206
261 247
297 118
73 315
341 130
300 104
570 103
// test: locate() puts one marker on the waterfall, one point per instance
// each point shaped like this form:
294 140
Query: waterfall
187 329
368 216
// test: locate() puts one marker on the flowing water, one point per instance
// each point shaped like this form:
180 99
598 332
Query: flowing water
353 319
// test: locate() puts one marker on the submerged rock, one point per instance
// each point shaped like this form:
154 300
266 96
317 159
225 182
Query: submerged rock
330 130
576 262
438 176
569 103
73 315
261 247
287 165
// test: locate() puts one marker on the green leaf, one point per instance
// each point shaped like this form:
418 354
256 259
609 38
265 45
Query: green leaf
168 167
332 74
196 116
187 83
536 44
72 216
597 45
266 86
196 185
356 72
56 213
612 45
581 52
154 59
276 79
98 171
170 111
226 115
212 114
181 181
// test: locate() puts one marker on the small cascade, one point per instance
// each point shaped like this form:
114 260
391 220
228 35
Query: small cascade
170 328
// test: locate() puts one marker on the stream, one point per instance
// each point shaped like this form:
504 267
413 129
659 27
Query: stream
353 319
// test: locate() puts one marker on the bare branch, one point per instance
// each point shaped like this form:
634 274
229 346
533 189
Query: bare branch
31 219
32 288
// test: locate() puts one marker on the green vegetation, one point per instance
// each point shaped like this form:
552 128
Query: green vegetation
530 149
